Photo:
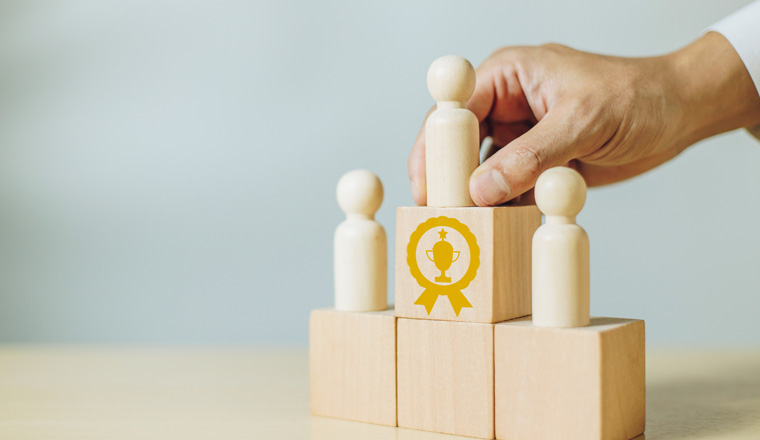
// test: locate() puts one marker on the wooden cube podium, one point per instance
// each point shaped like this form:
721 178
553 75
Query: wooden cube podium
580 383
450 360
464 264
352 365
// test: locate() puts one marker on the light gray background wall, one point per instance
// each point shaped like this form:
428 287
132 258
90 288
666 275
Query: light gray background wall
167 169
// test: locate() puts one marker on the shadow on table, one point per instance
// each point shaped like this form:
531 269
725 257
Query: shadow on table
719 406
325 428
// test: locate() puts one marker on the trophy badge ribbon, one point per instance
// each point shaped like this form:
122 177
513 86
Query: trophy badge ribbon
443 255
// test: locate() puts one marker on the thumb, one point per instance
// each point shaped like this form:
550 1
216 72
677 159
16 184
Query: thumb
515 168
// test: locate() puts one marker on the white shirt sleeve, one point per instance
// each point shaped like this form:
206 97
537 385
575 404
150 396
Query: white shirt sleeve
742 30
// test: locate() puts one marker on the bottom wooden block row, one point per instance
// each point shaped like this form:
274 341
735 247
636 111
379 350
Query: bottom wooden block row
509 380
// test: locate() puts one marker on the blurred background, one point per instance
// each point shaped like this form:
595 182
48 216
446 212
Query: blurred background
168 168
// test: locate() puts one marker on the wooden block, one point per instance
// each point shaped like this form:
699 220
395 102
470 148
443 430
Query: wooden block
352 365
445 377
486 279
581 383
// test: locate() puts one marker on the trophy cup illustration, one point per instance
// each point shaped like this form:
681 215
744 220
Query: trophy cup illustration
443 254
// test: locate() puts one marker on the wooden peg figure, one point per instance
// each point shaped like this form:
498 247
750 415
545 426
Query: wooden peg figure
560 252
452 138
361 265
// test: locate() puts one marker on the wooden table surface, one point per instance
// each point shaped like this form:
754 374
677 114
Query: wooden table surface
199 393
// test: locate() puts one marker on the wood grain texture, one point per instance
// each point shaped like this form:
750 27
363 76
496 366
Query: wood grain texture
502 286
68 392
352 365
581 383
445 377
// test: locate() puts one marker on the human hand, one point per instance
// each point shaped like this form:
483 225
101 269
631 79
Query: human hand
610 118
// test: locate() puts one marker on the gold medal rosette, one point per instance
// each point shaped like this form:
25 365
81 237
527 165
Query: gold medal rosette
443 255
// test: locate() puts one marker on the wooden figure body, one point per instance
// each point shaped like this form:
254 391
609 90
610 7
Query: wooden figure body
452 138
560 252
361 265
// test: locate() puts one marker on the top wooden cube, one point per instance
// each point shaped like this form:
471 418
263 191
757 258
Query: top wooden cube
464 264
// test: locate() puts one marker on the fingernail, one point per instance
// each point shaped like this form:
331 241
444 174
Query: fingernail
491 187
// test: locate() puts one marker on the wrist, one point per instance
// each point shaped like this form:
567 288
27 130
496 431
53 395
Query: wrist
713 88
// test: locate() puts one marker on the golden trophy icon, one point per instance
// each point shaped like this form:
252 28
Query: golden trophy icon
443 254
